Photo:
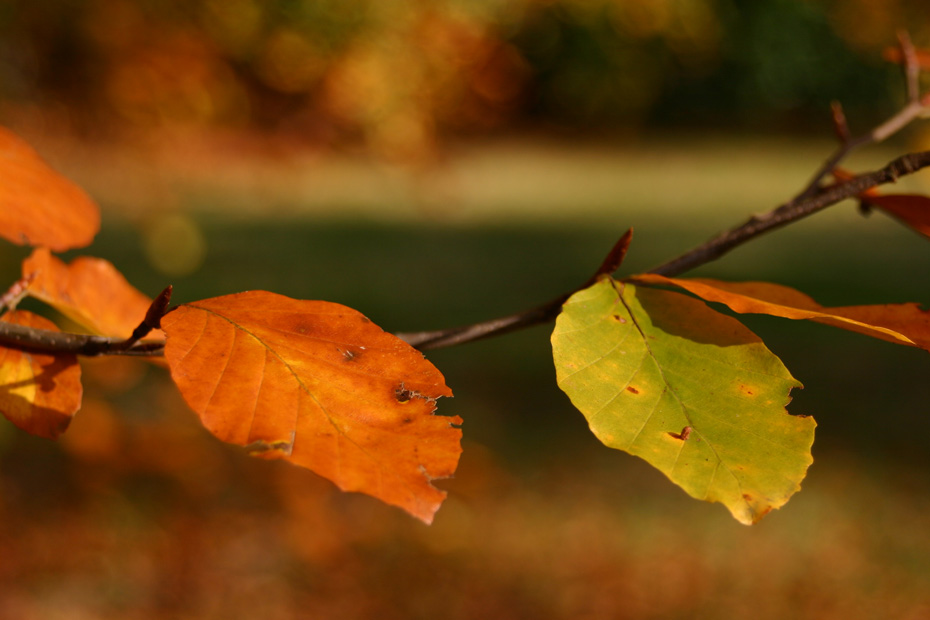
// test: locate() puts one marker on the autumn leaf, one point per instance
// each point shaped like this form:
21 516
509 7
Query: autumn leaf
913 210
664 377
39 392
38 206
899 323
90 291
319 385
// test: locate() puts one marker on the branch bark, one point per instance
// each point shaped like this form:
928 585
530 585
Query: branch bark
791 212
47 341
713 249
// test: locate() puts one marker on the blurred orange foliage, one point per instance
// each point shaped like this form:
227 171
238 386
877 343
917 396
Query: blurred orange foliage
391 77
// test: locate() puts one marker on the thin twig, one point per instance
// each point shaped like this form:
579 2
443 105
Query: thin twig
911 66
840 127
705 253
914 108
520 320
48 341
792 212
15 293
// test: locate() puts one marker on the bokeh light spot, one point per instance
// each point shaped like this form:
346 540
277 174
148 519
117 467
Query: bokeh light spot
175 245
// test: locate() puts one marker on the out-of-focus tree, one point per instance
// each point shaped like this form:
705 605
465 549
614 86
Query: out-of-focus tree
395 77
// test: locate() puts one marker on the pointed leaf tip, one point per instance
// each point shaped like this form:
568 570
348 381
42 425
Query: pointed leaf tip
904 324
321 386
693 392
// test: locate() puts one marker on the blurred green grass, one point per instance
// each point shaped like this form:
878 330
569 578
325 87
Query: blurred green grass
542 521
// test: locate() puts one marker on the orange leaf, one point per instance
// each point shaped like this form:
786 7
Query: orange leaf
39 392
38 206
899 323
321 386
89 291
912 209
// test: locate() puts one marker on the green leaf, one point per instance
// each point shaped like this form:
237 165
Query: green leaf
693 392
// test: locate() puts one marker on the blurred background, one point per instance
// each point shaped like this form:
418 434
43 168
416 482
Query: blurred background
439 162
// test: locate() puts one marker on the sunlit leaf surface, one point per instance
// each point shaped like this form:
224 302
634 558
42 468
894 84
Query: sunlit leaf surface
89 291
662 376
39 392
319 385
38 206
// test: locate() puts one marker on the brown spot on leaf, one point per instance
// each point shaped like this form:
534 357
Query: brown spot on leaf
618 318
632 390
261 446
402 394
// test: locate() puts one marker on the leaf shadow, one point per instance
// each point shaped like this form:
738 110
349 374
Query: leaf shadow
43 421
687 317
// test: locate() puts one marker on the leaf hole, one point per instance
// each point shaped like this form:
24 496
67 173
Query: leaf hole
402 394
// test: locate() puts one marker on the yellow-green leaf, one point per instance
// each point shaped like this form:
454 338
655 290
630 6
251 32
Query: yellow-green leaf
696 394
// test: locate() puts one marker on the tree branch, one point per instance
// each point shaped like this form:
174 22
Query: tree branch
808 201
47 341
914 108
782 215
791 212
535 316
